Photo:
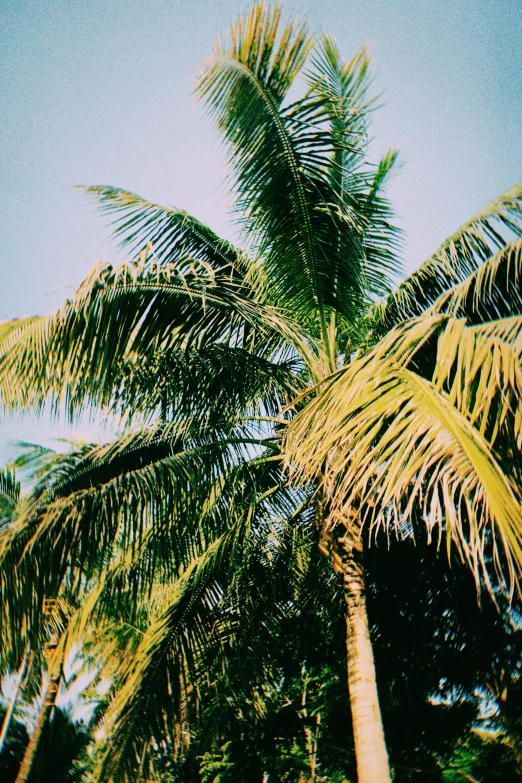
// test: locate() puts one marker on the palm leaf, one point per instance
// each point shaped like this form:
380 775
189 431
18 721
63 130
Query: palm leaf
399 435
157 494
459 256
149 703
493 291
279 155
344 86
211 384
104 499
9 493
229 601
118 315
167 232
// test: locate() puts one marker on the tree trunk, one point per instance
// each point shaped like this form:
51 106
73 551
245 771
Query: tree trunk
14 699
46 710
370 748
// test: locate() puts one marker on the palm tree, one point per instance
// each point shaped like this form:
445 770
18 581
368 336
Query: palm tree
205 346
156 606
11 500
43 624
43 717
10 490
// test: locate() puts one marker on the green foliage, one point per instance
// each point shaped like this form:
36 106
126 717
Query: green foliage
184 543
217 767
482 757
62 755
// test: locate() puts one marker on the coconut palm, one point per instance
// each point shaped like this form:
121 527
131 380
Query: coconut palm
36 620
30 667
166 610
9 496
407 399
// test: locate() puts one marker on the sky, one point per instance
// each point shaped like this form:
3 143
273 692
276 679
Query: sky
99 92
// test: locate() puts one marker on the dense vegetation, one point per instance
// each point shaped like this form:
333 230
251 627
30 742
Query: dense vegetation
297 436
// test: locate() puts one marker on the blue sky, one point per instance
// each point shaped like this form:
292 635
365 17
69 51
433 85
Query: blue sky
99 92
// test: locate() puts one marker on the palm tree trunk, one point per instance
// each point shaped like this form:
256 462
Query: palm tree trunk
46 710
370 747
14 699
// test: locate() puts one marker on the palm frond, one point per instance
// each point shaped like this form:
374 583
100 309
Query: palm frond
412 430
279 155
212 384
244 84
177 641
206 629
492 292
7 327
459 256
344 86
157 495
167 232
119 315
100 500
10 491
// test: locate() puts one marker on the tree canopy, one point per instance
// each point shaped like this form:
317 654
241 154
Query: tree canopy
277 400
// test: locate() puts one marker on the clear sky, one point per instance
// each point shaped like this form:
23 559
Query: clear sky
98 92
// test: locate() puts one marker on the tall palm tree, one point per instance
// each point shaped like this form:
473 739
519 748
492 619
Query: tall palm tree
43 717
205 346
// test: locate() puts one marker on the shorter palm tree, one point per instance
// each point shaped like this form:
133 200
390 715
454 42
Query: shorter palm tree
32 619
45 713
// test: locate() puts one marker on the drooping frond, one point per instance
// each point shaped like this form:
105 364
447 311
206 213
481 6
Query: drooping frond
211 384
168 233
127 314
480 370
493 291
150 701
160 495
207 630
110 498
426 426
460 256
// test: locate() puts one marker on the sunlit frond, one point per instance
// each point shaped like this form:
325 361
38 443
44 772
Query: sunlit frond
493 291
412 429
460 256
